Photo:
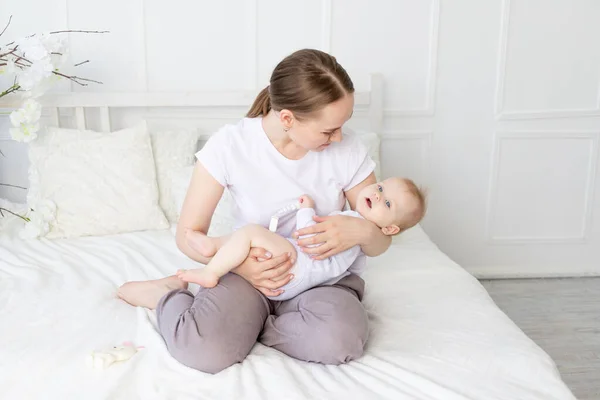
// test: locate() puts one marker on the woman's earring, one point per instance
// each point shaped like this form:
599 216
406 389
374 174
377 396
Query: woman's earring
286 129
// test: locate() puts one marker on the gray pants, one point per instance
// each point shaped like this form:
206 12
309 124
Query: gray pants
218 327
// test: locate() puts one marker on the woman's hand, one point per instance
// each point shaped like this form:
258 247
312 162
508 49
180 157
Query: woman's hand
265 272
332 235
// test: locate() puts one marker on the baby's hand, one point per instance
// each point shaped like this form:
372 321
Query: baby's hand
306 201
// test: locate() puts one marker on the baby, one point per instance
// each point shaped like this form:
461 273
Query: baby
394 205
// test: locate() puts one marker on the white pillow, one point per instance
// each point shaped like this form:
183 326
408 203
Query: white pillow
99 183
172 151
222 222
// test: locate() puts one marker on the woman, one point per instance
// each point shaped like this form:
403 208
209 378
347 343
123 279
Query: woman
289 144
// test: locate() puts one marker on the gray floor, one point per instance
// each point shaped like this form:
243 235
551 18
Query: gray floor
563 317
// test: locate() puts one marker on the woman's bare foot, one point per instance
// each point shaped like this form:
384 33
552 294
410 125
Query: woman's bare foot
203 244
201 276
148 293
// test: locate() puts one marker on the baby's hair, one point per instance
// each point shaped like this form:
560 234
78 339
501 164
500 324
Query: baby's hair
417 215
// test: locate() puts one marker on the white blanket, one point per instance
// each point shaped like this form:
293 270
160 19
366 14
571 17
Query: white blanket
435 333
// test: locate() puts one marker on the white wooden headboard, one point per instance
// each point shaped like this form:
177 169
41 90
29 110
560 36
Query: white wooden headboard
370 101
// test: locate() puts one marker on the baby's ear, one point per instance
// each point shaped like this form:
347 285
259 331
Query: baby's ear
390 230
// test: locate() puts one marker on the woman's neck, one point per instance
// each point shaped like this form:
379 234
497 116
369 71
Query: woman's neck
281 139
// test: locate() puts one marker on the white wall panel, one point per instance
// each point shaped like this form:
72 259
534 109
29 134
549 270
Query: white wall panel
283 27
550 61
117 58
30 16
406 154
542 187
399 39
199 45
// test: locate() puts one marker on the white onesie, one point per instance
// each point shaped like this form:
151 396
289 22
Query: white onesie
309 273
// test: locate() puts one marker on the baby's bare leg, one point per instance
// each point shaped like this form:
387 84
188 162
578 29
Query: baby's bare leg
204 245
235 251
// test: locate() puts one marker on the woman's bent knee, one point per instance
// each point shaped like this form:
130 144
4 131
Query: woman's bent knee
342 335
208 350
327 325
209 356
340 343
214 329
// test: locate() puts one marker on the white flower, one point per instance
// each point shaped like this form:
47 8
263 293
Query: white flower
30 112
17 117
53 43
25 133
32 47
41 219
42 87
35 228
33 110
31 76
42 67
58 60
26 121
25 80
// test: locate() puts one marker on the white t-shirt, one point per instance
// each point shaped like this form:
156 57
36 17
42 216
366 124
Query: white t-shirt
261 180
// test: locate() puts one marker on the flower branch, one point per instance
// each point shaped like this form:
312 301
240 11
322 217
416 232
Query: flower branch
77 31
7 24
11 89
13 213
14 186
76 79
36 61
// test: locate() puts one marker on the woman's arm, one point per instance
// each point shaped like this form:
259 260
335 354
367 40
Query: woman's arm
200 203
338 233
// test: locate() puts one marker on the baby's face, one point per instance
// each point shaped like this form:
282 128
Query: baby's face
386 203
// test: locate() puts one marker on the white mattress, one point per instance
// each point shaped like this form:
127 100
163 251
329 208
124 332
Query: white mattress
435 333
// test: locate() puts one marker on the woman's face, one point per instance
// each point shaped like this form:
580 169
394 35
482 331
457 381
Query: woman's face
316 134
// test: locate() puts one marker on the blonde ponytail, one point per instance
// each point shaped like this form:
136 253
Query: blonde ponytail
261 105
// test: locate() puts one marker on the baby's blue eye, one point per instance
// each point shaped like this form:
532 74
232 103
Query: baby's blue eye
388 204
379 188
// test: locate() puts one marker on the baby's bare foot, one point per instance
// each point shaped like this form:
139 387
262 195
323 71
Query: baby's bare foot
203 244
202 277
148 293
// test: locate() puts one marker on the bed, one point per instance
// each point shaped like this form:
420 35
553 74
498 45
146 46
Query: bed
434 331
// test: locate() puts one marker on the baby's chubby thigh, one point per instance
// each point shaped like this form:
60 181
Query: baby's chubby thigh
259 236
276 244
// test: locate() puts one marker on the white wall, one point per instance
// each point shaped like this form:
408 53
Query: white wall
494 105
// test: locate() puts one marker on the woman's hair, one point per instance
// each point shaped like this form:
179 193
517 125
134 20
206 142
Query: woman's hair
304 82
